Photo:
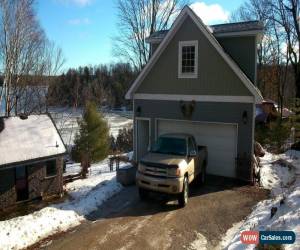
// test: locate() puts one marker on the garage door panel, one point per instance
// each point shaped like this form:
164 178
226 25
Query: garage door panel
220 139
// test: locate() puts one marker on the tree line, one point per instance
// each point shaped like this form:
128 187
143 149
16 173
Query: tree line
104 85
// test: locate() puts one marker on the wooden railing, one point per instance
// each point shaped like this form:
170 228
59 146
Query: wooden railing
116 159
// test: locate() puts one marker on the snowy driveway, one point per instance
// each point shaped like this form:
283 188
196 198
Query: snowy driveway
126 223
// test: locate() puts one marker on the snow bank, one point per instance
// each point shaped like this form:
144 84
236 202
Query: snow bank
280 174
85 196
199 244
277 172
90 193
24 231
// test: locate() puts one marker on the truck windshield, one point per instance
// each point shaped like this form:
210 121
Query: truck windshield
170 145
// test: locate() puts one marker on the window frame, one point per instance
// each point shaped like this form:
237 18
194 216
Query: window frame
180 46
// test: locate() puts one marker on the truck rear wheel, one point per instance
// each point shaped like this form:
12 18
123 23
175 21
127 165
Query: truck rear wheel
203 176
143 194
183 196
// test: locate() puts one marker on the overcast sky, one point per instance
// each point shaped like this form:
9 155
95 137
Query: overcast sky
84 29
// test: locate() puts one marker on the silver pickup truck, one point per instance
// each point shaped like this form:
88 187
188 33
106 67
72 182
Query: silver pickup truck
171 165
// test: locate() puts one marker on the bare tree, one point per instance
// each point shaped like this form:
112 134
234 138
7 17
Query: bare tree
286 14
51 65
27 58
137 20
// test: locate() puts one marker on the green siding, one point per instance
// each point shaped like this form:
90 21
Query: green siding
215 77
205 112
243 52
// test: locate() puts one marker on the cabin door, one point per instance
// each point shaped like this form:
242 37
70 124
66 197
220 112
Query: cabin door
22 183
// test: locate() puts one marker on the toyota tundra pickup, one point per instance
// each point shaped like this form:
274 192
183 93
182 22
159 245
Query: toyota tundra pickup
171 165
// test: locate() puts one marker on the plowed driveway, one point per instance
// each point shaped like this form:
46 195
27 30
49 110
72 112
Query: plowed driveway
124 222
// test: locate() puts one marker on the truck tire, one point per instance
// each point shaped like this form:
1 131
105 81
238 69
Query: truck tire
143 194
183 196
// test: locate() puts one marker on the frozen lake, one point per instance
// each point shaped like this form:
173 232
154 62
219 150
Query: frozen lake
66 122
66 118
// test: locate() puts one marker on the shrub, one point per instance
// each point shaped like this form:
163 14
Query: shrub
124 141
274 135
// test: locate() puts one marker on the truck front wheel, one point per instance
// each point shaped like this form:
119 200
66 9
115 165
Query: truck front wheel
183 196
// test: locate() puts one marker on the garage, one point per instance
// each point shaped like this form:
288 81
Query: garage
220 139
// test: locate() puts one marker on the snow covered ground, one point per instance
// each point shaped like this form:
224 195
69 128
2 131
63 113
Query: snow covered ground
281 175
85 196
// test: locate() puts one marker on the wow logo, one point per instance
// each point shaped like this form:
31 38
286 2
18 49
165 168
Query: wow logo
268 237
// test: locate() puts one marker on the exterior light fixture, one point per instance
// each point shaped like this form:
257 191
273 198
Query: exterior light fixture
245 117
138 111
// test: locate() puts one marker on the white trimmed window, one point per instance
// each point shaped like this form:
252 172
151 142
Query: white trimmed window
188 59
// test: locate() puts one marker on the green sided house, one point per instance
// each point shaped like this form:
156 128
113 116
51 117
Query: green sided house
201 80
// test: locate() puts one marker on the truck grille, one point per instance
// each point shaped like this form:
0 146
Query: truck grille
155 169
156 172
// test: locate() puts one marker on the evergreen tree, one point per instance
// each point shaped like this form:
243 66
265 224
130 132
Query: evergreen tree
92 141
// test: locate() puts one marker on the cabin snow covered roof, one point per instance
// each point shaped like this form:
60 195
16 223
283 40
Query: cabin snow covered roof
218 29
29 139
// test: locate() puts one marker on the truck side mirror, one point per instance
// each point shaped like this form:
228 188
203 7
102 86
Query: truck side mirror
193 153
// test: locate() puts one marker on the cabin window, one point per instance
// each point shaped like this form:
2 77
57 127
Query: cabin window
51 168
188 59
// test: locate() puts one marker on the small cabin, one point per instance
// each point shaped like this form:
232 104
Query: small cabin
31 159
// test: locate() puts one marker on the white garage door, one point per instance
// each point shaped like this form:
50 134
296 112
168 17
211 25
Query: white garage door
220 139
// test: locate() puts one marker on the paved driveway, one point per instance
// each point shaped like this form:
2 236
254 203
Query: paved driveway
124 222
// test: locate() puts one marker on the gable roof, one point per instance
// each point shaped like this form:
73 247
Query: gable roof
175 26
25 140
250 27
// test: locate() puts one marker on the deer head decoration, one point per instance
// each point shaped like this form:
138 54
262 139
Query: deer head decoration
187 108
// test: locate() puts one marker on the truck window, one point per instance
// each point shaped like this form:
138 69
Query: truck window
170 145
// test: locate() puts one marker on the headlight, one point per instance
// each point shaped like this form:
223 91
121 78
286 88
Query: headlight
174 172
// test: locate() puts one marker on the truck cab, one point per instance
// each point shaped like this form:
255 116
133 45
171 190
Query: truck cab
171 165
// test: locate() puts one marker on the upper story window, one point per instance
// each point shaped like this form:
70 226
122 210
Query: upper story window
188 59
